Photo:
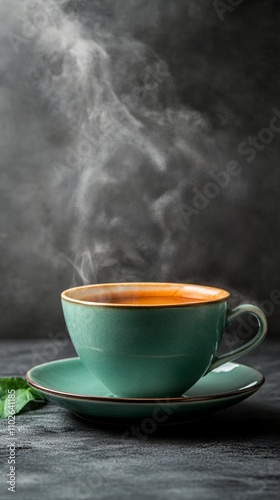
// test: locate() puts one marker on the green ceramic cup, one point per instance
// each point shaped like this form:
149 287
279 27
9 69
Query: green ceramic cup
152 339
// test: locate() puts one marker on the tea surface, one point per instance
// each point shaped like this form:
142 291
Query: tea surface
141 299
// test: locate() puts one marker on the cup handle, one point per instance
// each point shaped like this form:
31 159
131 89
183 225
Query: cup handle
236 353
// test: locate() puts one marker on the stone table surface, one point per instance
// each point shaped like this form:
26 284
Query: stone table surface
233 454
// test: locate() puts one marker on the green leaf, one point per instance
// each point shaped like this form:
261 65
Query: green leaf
21 394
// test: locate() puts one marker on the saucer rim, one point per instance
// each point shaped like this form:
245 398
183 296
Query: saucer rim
115 399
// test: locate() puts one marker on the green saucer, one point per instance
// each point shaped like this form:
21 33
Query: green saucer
67 383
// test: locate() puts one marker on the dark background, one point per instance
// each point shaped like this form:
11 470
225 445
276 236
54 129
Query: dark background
119 214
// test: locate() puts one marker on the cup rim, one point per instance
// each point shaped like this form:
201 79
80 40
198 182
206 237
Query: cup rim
211 294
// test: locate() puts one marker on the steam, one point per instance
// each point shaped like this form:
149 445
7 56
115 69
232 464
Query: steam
129 165
105 158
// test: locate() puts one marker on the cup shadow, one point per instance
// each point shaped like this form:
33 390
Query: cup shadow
247 421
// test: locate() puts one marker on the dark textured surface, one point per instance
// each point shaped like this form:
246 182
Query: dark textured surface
233 454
